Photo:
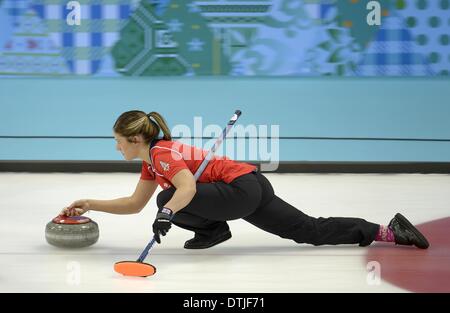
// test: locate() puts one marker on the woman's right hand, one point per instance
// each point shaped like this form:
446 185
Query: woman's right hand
77 208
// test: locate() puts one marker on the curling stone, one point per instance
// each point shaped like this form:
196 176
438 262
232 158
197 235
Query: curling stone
71 232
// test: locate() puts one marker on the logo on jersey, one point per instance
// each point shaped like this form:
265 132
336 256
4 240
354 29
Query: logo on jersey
165 166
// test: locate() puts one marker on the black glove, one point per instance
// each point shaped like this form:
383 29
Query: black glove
162 223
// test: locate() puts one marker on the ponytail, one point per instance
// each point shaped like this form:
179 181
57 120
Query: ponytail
134 123
161 123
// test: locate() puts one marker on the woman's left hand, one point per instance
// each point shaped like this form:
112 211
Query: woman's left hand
162 223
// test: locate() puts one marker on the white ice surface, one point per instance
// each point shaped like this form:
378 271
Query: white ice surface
251 261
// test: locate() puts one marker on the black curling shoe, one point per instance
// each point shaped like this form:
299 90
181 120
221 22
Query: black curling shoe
203 242
406 234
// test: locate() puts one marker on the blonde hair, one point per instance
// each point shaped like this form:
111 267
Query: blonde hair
134 123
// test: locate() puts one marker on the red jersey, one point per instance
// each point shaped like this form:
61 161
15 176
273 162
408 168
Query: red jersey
169 157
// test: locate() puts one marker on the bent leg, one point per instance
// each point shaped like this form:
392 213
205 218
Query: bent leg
214 204
200 225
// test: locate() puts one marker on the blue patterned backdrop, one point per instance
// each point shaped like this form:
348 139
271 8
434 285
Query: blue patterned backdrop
236 38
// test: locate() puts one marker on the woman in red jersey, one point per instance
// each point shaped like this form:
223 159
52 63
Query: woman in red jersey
226 190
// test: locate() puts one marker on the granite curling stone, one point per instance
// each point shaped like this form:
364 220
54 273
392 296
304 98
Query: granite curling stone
71 232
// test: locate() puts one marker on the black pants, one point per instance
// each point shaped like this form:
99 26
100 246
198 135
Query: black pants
252 198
